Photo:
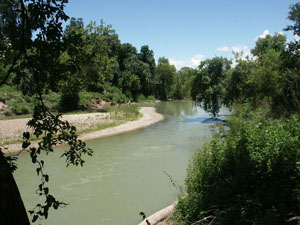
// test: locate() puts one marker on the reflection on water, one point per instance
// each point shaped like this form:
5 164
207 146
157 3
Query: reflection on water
177 108
127 173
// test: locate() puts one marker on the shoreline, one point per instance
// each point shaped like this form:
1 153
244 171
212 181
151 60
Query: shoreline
149 117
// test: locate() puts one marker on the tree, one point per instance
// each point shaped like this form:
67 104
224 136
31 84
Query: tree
240 85
34 60
294 15
147 56
129 84
290 97
73 58
208 87
183 82
276 42
166 74
148 77
104 46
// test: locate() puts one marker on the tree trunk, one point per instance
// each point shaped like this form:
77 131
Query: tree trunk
12 209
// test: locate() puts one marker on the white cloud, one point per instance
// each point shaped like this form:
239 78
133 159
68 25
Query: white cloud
297 38
223 49
263 35
193 62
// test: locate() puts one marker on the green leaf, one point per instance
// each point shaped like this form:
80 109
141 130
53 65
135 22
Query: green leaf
35 217
26 135
25 144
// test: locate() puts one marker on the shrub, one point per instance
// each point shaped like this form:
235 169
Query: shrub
113 94
20 106
8 92
249 176
69 102
52 100
141 98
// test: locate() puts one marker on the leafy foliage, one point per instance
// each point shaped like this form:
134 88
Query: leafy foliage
249 176
183 82
208 87
34 64
53 131
250 173
239 82
166 74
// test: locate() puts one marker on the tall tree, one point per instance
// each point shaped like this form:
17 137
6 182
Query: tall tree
166 75
208 87
183 81
148 78
276 42
290 97
239 85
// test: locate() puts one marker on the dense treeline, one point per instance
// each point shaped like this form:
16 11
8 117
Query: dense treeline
249 174
270 76
92 59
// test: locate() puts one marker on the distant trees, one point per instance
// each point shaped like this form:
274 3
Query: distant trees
166 75
183 82
99 60
272 76
92 58
239 83
276 42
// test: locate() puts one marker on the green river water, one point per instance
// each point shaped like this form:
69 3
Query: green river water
127 173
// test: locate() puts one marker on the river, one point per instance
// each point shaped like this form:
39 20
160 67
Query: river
127 174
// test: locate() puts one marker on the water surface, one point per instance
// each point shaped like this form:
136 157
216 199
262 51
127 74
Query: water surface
127 174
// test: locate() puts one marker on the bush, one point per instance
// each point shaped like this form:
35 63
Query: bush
249 176
142 98
87 97
20 106
69 102
52 100
8 92
113 94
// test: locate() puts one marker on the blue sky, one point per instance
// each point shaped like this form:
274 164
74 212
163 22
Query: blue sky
187 31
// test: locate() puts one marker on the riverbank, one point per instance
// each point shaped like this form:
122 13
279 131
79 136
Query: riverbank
149 117
13 128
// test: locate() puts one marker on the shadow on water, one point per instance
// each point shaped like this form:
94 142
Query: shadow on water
206 120
177 108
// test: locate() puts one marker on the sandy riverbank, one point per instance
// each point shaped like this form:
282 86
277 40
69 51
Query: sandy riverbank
149 117
14 128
